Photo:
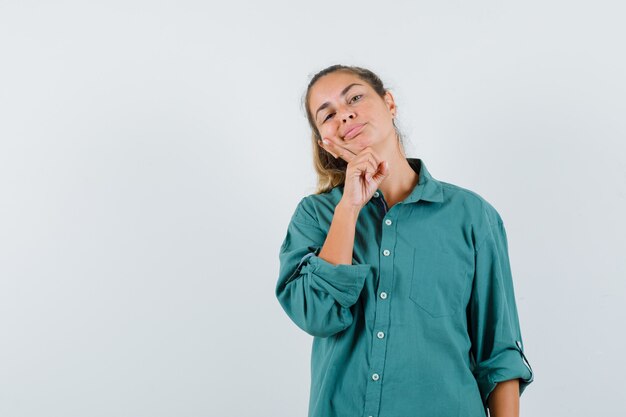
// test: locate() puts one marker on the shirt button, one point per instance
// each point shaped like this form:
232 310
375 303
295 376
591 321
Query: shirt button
383 295
386 252
376 194
387 222
380 335
375 377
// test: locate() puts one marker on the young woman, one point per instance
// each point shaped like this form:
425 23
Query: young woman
403 280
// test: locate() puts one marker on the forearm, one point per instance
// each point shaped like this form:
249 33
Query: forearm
504 399
339 244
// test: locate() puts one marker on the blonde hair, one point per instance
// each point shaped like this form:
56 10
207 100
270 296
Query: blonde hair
331 172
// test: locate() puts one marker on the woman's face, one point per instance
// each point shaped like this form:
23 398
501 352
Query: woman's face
340 101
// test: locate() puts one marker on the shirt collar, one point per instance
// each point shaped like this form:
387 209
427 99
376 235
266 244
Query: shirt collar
427 188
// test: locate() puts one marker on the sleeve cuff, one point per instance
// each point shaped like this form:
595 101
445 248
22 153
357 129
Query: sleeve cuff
509 364
343 282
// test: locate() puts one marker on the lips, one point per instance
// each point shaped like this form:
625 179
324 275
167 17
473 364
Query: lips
353 131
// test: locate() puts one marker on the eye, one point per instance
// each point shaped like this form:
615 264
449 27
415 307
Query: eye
358 95
326 118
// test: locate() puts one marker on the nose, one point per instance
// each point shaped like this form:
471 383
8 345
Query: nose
348 114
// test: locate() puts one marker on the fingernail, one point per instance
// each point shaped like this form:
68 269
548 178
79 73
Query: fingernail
325 141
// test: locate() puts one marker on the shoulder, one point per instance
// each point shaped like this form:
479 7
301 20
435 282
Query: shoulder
486 221
312 207
473 202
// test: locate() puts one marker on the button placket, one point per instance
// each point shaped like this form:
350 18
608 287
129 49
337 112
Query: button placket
382 317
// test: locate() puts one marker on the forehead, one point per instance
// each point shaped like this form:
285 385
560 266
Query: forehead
328 87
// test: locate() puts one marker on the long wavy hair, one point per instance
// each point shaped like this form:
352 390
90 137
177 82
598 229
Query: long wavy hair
331 172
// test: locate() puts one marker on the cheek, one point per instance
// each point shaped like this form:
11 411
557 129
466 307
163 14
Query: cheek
327 129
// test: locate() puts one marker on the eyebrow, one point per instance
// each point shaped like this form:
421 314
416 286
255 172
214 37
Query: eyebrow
343 93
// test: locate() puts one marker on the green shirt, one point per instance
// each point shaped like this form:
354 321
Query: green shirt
423 323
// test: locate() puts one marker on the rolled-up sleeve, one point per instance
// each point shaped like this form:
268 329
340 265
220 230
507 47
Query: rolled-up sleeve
315 294
493 319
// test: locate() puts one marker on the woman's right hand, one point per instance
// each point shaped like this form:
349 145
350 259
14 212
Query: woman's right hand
364 173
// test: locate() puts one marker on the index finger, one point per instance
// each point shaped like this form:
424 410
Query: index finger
368 149
344 152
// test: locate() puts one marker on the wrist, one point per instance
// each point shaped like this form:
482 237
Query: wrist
348 209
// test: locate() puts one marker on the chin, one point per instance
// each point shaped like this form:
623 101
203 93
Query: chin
361 141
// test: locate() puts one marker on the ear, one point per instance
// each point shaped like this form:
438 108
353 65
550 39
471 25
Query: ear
390 102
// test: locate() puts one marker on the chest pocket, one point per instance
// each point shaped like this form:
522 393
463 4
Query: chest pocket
438 282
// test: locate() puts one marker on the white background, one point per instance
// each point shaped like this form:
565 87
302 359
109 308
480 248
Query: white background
152 153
